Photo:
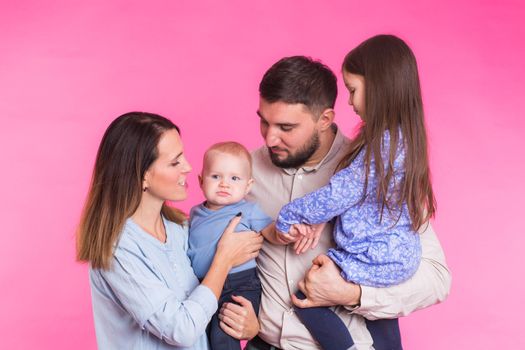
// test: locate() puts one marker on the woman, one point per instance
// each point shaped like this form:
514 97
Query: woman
145 294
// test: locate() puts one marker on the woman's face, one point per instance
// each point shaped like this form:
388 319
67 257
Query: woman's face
166 177
355 84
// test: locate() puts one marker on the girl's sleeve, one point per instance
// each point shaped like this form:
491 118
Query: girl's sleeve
173 316
344 190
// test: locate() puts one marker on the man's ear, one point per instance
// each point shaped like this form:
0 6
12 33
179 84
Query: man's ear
249 187
326 119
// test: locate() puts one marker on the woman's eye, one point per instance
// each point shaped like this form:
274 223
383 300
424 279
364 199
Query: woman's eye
175 163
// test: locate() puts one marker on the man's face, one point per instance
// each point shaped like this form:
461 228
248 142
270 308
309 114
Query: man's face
289 131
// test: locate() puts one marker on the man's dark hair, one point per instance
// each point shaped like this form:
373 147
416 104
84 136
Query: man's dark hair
300 79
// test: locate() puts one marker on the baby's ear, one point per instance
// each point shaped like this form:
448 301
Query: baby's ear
249 187
200 180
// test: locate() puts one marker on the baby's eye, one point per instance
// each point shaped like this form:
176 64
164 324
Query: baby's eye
235 178
214 176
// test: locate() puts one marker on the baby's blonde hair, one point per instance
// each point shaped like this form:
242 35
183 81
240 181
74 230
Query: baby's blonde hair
229 147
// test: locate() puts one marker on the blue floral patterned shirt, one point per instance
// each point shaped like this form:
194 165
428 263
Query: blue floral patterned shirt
369 250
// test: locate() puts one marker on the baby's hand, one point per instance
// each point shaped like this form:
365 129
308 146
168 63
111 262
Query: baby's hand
287 238
310 235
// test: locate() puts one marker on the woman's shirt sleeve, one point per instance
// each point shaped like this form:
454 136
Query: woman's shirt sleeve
176 317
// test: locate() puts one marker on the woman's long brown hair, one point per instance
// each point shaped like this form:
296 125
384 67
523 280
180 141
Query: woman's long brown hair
127 150
392 103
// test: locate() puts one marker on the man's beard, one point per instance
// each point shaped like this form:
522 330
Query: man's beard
300 157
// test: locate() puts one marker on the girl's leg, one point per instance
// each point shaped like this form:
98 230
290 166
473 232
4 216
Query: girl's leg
325 326
385 334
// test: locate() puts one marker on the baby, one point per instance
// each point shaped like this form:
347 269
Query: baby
225 180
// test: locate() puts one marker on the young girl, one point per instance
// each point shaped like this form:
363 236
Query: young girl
382 193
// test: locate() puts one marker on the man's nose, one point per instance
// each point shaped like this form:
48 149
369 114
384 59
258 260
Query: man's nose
272 138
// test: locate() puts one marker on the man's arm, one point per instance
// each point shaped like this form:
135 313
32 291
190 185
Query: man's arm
429 285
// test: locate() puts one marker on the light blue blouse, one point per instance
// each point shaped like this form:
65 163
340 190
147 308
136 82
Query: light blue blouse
150 298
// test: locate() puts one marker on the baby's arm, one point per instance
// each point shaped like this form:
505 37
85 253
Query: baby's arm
275 237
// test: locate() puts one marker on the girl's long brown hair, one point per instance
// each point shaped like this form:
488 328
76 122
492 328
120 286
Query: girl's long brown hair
127 150
392 102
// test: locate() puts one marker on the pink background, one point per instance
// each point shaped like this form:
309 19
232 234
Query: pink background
68 68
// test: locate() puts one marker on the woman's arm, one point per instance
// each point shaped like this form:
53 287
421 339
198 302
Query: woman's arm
234 248
177 318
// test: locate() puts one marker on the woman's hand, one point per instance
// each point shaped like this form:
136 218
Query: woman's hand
324 286
235 248
239 320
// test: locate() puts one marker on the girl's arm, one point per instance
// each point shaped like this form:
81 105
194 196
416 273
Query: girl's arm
344 190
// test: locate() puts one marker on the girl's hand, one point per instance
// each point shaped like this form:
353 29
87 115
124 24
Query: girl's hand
239 319
310 239
235 248
302 229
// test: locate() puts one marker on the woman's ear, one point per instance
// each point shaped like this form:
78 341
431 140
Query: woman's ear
145 184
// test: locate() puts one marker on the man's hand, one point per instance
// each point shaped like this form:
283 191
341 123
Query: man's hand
239 320
324 286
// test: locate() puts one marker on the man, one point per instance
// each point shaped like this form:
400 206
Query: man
303 148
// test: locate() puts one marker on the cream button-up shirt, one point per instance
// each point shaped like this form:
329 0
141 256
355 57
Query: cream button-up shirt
280 269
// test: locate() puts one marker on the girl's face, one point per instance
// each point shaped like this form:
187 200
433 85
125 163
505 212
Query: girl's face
355 84
166 177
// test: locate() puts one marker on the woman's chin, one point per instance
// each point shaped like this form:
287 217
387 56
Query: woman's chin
179 197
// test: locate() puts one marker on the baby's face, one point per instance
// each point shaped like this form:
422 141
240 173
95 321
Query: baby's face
225 179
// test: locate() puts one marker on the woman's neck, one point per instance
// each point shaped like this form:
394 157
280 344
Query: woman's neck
148 217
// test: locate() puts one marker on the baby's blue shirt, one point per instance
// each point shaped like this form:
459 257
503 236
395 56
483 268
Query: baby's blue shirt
207 226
